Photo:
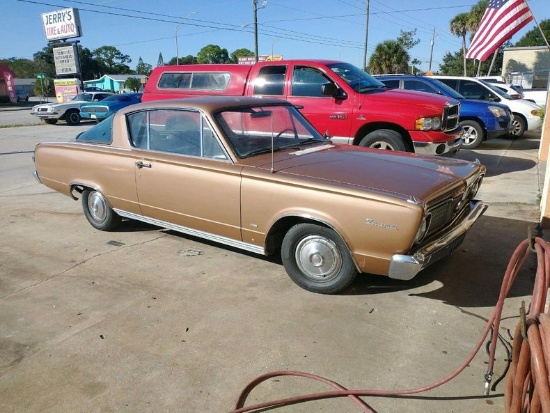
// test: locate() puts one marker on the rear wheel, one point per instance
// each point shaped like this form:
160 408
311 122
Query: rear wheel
317 259
518 126
384 139
473 134
98 212
72 117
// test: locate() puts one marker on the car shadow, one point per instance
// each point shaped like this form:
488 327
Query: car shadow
472 276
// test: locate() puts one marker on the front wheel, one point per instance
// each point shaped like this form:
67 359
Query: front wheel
50 121
98 212
518 126
385 139
473 134
317 259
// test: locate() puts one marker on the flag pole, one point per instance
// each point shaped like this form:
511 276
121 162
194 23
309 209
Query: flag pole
538 25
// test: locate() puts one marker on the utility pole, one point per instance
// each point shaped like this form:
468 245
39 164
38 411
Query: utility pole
366 36
177 27
255 5
432 51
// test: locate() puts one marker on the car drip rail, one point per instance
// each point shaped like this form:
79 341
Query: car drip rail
527 383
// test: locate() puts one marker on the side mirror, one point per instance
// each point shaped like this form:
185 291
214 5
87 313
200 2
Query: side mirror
330 89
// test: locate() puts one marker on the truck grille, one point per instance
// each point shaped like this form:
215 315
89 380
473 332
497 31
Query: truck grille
451 115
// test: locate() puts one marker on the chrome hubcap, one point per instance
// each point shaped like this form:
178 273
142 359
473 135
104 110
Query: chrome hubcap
97 206
318 258
469 135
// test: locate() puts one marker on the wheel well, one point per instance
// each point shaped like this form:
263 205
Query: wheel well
275 236
68 112
519 115
371 127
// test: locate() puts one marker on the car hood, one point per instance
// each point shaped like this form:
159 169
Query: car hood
408 98
392 173
45 105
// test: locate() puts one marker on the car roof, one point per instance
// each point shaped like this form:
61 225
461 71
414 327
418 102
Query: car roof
208 103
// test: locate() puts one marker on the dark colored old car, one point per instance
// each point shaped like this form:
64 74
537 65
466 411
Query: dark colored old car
101 110
252 173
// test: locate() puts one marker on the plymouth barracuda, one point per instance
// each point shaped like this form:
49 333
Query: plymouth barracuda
252 173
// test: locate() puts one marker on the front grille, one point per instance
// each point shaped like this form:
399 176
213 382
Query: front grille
94 109
451 115
443 213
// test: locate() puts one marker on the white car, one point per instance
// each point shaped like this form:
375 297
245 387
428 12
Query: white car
526 114
69 111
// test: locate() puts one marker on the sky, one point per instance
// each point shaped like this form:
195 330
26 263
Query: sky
324 29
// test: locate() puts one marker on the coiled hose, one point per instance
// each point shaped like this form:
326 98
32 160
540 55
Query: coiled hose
527 384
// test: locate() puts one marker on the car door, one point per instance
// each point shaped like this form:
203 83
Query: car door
327 114
183 174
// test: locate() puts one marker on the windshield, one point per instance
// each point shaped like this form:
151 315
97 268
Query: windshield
359 80
260 129
496 90
449 91
100 133
83 96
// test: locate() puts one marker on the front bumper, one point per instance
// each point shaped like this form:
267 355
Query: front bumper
405 267
437 143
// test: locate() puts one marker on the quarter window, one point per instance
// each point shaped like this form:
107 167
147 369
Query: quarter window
174 131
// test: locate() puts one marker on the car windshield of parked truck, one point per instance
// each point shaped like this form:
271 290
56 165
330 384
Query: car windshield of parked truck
359 80
261 129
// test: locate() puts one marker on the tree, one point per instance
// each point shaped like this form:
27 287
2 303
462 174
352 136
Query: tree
533 37
143 68
213 54
240 52
133 83
160 61
389 57
187 60
407 40
459 28
111 60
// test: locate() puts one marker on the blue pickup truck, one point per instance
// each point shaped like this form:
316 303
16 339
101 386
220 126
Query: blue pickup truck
480 120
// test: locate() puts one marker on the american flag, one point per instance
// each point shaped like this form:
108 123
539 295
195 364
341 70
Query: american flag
502 19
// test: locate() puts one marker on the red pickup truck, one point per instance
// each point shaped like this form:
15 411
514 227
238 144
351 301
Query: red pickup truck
338 98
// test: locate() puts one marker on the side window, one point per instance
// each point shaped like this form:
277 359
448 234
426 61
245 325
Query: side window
174 131
308 81
473 90
394 83
270 81
418 86
450 82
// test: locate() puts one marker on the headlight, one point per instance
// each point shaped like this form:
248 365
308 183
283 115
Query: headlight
497 112
427 124
423 229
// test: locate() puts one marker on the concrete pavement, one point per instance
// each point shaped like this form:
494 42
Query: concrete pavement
146 320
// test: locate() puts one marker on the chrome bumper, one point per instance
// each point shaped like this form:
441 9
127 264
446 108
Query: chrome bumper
405 267
432 148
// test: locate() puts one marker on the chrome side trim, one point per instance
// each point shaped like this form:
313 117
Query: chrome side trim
193 232
405 267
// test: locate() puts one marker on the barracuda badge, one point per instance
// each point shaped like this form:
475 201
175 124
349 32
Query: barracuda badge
373 223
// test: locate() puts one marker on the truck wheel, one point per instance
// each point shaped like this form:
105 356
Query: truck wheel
72 117
317 259
98 211
473 134
50 121
385 139
518 126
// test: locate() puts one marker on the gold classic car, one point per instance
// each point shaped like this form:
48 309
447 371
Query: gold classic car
252 173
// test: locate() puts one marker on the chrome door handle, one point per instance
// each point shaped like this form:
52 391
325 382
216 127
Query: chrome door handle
140 165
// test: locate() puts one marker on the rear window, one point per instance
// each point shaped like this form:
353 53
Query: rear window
100 133
194 81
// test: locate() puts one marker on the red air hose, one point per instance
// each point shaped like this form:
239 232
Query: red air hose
527 385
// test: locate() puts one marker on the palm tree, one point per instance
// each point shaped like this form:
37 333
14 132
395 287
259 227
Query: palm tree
389 57
459 28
